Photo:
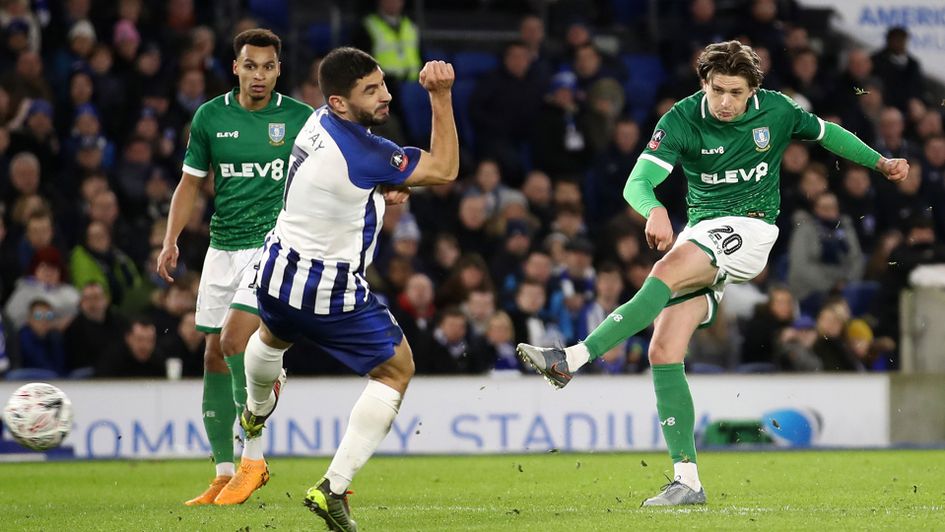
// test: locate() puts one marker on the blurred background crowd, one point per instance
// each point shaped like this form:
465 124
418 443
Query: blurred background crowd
533 243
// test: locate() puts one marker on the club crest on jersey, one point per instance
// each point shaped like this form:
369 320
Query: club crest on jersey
655 140
399 160
762 138
276 134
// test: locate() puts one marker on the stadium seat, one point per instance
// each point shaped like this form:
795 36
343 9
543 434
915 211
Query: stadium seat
275 12
418 115
628 12
646 75
471 65
436 54
31 374
756 367
860 296
705 368
462 91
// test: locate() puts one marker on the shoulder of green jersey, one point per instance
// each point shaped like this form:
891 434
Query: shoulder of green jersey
657 161
194 171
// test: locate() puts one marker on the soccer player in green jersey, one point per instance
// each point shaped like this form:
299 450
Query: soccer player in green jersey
729 138
244 137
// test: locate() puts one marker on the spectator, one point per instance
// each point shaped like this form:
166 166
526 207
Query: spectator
448 351
518 241
795 349
905 201
479 308
543 54
487 182
471 233
507 103
498 345
808 79
858 202
98 261
917 248
609 173
853 79
187 344
829 347
890 142
445 253
40 342
414 309
899 71
394 41
825 254
537 190
470 273
559 144
94 330
866 350
137 356
590 66
933 178
38 136
82 40
530 327
435 209
764 328
46 281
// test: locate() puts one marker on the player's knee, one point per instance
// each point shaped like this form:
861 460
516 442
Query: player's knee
232 343
659 354
213 356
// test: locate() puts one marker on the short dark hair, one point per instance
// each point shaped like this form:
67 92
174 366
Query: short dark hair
341 69
730 58
257 37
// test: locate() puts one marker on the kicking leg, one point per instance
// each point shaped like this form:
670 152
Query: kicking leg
674 328
218 418
264 377
685 267
370 421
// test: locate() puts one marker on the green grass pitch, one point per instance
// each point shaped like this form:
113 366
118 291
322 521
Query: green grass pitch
822 490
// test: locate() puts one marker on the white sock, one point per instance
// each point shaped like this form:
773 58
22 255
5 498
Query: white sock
253 448
688 474
225 469
370 421
577 356
263 365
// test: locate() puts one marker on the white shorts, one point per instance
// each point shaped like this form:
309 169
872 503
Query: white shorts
739 246
227 281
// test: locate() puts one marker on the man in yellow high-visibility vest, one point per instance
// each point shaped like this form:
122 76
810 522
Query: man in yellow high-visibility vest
393 40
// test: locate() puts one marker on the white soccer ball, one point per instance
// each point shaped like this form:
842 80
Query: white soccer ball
38 416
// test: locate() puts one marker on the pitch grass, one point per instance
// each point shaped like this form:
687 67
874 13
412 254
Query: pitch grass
816 490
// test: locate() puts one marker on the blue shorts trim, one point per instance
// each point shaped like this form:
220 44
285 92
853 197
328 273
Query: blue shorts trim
361 339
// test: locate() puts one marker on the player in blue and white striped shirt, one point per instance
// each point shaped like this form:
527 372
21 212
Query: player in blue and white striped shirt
311 281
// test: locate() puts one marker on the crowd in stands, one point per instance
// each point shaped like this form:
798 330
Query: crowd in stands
534 243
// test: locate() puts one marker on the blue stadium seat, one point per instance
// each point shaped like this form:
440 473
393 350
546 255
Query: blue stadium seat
628 12
31 374
471 65
756 367
275 12
319 37
462 91
705 368
860 296
418 115
646 75
436 54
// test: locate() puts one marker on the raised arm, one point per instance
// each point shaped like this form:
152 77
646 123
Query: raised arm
847 145
441 164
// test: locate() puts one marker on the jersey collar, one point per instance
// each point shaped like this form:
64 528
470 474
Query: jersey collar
231 98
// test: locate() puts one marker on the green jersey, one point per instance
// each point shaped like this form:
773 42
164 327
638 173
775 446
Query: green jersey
249 153
732 168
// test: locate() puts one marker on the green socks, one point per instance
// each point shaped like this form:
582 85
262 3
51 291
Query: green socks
238 379
219 414
629 318
677 415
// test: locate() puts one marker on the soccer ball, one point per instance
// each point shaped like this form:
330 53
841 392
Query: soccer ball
38 415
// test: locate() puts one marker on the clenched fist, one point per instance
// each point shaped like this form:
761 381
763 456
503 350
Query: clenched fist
894 169
437 76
